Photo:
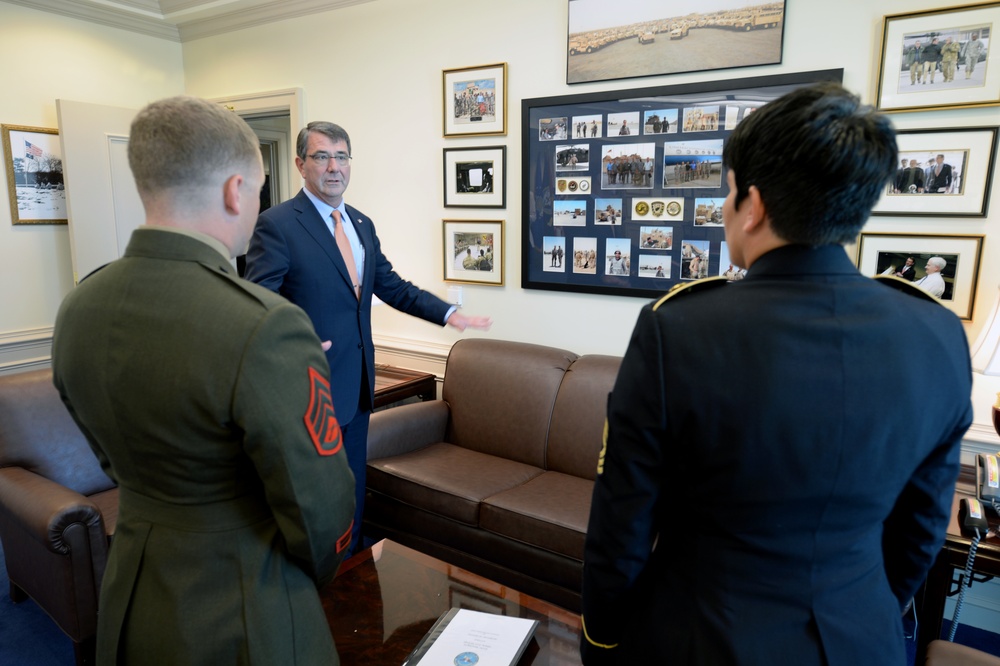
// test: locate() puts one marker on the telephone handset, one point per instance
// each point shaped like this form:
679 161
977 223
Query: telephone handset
972 517
988 479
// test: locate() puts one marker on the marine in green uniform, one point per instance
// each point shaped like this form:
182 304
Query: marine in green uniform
207 399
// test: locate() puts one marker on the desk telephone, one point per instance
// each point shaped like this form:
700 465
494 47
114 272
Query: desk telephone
972 521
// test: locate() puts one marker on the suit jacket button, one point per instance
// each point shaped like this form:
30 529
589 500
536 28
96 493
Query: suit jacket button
361 345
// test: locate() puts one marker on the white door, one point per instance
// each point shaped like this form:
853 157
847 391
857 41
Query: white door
102 201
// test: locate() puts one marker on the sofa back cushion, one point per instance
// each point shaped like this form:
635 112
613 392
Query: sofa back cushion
577 431
501 396
38 434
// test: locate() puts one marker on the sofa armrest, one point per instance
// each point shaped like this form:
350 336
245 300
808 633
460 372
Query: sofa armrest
407 428
45 510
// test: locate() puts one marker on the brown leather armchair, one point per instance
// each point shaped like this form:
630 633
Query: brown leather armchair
57 507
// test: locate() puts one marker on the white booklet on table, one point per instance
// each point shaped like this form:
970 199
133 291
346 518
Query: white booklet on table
464 637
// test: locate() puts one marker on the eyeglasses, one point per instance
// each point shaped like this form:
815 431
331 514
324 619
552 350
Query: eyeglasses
322 159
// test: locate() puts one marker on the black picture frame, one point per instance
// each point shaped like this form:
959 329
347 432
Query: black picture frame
475 177
662 220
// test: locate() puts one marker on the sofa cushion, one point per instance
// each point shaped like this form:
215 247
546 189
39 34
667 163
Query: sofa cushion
446 479
576 433
550 511
501 396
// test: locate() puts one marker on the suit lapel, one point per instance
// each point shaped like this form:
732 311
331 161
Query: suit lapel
308 217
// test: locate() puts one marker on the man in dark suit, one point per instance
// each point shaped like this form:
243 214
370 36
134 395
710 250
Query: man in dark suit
206 399
911 181
791 523
939 176
907 271
325 257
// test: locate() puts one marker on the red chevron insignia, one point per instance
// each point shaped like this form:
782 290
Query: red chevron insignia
320 420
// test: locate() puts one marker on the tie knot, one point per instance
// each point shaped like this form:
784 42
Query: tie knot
336 216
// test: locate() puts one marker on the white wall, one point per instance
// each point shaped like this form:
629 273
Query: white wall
47 57
376 69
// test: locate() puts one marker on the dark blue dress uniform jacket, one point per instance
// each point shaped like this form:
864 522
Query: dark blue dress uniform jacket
780 463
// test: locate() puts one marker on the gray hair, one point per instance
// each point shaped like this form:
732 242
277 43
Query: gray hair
329 130
937 261
180 143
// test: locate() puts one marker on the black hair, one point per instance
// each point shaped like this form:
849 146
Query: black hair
819 159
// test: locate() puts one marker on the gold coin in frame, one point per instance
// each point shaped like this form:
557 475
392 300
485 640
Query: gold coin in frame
658 208
673 209
572 186
641 208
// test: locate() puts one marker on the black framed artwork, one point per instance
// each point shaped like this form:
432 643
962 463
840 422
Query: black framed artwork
623 190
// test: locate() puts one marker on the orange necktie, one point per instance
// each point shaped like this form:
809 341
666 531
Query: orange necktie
345 250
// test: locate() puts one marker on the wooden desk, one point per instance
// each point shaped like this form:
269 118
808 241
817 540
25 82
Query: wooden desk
386 598
395 384
931 599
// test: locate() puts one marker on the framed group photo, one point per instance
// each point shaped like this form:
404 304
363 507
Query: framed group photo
940 58
633 38
623 190
473 251
475 177
946 266
942 173
33 162
475 100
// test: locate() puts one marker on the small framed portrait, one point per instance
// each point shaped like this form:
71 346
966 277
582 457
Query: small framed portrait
947 267
475 100
939 58
473 251
692 164
627 166
33 160
941 173
475 177
660 121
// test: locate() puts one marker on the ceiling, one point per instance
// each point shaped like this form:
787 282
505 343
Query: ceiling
183 20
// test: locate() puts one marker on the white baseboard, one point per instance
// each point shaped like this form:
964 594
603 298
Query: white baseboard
27 349
412 354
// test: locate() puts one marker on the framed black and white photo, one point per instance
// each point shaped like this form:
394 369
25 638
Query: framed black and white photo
33 161
946 266
632 38
475 100
473 251
941 173
623 190
939 58
475 177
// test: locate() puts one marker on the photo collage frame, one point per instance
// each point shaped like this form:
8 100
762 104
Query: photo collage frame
624 190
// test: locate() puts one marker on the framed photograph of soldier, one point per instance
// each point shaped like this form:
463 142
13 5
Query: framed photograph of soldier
942 173
632 213
939 58
947 267
633 38
475 100
33 162
475 177
473 251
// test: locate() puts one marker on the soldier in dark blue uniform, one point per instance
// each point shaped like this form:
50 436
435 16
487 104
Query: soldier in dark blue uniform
775 482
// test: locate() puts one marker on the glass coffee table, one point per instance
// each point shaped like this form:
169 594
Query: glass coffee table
386 598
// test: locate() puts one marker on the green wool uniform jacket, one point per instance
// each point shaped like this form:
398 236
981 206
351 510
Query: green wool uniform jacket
206 398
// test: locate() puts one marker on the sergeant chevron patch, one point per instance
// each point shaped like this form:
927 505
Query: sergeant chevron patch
320 420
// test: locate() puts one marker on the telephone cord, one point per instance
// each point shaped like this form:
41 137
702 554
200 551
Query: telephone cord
964 583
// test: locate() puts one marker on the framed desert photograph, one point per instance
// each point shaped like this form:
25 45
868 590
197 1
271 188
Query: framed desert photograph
947 267
33 161
475 100
941 173
475 177
632 38
473 251
939 58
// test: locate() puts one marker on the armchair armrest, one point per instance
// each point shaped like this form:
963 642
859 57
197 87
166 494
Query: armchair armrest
407 428
45 510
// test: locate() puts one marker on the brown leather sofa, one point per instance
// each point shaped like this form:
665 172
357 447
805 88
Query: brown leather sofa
497 476
57 507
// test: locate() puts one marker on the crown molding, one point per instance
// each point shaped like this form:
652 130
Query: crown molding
184 20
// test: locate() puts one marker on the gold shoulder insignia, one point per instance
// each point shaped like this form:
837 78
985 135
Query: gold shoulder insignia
691 287
899 284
